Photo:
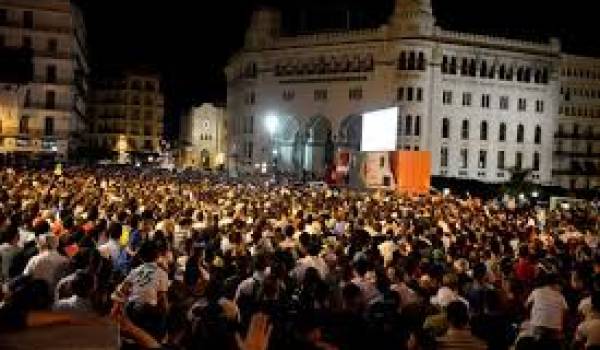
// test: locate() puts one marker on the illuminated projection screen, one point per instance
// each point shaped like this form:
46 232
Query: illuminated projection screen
379 130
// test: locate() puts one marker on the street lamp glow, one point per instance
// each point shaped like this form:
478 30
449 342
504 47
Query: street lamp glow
272 123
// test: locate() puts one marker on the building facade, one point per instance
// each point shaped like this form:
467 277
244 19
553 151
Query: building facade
127 114
48 118
204 134
481 105
577 137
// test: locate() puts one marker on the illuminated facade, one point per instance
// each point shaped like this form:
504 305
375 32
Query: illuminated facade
482 105
577 137
126 114
204 133
45 117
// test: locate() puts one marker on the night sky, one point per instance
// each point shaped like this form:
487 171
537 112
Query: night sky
189 41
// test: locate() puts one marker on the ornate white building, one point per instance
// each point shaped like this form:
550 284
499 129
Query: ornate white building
482 105
49 115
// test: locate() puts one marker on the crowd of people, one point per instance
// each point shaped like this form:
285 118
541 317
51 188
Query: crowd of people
202 262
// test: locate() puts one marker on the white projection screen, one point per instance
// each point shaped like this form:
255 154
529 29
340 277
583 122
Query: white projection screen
379 130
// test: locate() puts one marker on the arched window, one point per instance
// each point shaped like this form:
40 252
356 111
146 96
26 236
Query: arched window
421 61
520 73
483 132
502 133
445 128
418 126
527 76
538 76
402 63
464 67
411 60
537 138
520 133
453 65
408 126
483 70
465 130
502 72
473 68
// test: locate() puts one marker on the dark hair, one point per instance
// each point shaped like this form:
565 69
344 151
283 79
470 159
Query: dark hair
457 314
114 230
148 251
8 233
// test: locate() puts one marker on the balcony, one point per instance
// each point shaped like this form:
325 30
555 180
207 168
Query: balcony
576 154
586 136
58 107
40 79
38 27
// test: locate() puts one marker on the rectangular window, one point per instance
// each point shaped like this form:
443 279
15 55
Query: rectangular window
320 95
3 16
518 160
485 101
24 125
250 125
447 97
28 19
51 74
381 162
52 45
466 99
289 95
400 94
504 104
419 94
464 158
539 106
522 107
444 157
27 42
355 94
50 99
536 161
48 126
500 160
482 159
409 94
250 149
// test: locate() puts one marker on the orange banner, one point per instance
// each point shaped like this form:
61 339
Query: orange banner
412 171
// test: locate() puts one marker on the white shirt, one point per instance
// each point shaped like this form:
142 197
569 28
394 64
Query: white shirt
246 287
310 261
110 250
47 266
548 307
147 280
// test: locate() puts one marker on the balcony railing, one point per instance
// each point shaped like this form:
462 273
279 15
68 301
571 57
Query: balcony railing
577 154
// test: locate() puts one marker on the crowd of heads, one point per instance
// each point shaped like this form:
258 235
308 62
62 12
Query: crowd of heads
189 260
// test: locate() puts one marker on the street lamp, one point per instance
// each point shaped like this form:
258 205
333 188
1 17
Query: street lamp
272 127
